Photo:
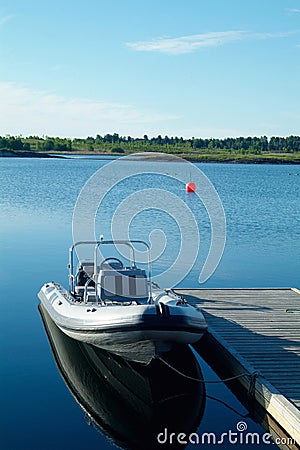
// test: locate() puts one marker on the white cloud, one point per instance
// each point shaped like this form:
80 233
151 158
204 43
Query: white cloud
5 19
30 112
277 35
293 10
189 44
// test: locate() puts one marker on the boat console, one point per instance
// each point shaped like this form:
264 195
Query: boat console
124 284
111 280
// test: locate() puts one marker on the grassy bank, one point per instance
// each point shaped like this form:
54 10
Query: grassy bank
263 150
208 158
267 158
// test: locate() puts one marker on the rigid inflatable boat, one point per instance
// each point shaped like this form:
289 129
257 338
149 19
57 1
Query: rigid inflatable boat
131 404
118 308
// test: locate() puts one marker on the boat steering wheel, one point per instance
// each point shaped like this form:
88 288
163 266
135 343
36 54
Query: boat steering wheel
117 263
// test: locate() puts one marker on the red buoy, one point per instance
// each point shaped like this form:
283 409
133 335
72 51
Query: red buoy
190 187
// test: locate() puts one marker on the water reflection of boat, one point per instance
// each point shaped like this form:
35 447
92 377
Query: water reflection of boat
129 402
117 307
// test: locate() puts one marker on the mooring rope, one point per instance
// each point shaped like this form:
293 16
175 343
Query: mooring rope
252 377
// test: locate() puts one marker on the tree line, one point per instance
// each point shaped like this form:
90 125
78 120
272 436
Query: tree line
122 144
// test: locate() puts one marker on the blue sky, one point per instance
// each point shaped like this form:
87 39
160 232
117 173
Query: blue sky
188 68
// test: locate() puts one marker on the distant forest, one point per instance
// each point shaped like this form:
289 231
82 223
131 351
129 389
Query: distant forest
114 143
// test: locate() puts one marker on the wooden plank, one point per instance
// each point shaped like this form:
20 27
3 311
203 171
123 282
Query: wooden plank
283 411
257 329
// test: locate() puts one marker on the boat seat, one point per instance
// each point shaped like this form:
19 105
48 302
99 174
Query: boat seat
123 285
85 271
88 267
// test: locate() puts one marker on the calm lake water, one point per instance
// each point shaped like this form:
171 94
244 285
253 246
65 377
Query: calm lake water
37 198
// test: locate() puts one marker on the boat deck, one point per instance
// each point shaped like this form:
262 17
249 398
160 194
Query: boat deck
256 331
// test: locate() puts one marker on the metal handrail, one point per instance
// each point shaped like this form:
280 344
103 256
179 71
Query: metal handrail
97 245
71 283
86 289
71 262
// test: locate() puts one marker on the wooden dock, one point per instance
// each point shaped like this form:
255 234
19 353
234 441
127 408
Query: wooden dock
256 331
